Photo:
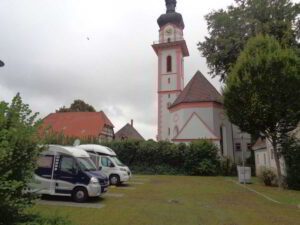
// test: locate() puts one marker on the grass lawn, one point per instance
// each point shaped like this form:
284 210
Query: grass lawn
172 200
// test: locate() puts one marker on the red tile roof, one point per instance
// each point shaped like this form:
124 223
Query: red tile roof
77 124
199 89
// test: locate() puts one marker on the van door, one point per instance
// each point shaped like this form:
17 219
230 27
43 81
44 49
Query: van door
107 165
65 175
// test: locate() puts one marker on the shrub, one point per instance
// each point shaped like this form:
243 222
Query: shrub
202 159
227 167
268 177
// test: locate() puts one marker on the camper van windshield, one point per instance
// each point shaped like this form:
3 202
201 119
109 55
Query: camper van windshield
86 164
117 161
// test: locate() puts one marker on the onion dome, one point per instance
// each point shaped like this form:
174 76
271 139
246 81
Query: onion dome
171 16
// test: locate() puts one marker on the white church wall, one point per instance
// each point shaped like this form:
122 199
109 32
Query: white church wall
183 115
169 82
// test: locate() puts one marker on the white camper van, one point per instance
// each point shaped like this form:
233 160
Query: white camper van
106 160
68 171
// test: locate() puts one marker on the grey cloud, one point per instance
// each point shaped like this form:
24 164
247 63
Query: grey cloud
96 50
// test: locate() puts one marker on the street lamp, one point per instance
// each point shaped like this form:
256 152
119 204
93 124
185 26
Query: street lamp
1 63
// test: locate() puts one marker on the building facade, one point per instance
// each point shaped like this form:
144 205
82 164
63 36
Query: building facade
195 111
264 156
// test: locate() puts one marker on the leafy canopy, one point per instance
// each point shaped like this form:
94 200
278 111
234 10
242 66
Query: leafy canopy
229 30
78 106
262 92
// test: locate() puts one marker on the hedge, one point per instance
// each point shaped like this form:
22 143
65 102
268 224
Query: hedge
149 157
199 158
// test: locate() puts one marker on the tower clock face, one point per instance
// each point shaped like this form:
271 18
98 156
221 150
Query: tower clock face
169 31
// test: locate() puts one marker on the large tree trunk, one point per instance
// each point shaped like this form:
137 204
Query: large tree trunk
277 161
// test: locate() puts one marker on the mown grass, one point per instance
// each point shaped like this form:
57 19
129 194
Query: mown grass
181 200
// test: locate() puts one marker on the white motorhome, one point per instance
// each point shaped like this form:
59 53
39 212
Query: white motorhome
106 160
68 171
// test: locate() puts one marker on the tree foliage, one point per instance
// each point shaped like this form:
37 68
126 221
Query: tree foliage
262 92
18 152
291 153
77 106
229 30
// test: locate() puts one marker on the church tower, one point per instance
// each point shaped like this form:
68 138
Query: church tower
171 49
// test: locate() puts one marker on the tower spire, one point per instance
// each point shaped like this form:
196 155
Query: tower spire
171 6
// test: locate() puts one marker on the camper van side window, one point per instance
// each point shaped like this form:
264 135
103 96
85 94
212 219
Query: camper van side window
45 162
67 165
44 166
104 161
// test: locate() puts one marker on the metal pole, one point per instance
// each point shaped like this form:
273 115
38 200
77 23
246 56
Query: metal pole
243 158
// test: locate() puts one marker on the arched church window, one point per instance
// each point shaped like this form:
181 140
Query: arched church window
169 63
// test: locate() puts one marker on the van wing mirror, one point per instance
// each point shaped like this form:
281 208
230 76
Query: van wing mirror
100 167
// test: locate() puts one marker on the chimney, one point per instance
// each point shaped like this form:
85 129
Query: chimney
131 123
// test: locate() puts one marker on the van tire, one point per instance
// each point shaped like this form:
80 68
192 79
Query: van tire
114 179
79 194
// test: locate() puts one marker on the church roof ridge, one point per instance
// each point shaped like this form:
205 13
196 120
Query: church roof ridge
199 89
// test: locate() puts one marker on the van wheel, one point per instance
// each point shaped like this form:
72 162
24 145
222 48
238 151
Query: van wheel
79 194
114 179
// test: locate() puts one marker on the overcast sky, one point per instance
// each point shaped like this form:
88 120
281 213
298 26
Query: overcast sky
96 50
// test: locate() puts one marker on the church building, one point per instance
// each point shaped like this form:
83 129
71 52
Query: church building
195 111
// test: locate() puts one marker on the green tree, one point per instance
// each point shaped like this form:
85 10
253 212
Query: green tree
77 106
262 92
230 29
291 153
18 152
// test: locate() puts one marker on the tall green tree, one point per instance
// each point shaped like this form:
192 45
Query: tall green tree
78 106
230 29
263 90
291 152
18 152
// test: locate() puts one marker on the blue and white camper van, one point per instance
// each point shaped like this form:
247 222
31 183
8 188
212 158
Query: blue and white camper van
68 171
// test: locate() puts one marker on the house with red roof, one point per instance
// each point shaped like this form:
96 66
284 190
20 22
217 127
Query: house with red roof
195 111
80 125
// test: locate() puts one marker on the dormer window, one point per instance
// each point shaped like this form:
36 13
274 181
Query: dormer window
169 64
